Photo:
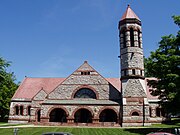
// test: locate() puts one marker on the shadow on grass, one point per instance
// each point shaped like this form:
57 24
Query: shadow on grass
144 131
175 122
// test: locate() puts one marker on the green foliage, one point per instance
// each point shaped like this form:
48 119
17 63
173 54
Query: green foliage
7 87
164 64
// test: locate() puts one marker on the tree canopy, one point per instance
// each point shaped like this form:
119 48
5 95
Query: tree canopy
7 87
164 64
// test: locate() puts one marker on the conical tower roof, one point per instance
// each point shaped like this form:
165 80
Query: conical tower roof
129 14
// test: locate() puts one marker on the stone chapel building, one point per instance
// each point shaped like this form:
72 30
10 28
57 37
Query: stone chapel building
87 98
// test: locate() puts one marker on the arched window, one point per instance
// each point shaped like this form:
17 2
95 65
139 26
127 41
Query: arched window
139 39
21 110
17 110
85 93
29 110
132 37
135 114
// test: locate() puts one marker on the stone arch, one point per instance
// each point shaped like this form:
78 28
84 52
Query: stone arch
123 29
131 26
54 107
135 113
87 111
84 86
110 108
58 115
108 115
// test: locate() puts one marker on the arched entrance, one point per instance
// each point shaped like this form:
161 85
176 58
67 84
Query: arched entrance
83 116
58 115
108 115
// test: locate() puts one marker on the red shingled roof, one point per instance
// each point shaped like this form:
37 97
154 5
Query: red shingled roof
115 82
31 86
129 14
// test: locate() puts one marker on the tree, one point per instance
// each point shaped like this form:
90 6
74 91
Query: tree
164 64
7 87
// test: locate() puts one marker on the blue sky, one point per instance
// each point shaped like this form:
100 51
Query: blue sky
52 38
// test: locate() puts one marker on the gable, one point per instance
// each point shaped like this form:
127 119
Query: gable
134 88
84 76
41 95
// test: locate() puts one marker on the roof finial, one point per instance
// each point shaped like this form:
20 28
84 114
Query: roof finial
128 6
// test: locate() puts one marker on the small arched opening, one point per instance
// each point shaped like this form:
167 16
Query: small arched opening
108 115
83 116
58 115
135 114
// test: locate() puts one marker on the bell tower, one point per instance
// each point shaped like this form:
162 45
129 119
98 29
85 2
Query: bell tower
135 106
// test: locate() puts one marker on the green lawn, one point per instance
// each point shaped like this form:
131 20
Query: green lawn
84 131
168 127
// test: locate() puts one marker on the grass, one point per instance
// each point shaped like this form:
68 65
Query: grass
74 131
84 130
167 127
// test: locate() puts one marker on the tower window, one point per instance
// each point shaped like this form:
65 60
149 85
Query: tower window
139 42
132 37
133 72
124 39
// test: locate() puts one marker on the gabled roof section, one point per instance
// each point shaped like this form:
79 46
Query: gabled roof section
83 73
85 67
129 14
31 86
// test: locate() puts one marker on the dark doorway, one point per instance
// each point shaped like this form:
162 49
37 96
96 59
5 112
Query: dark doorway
83 116
39 115
108 115
58 115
